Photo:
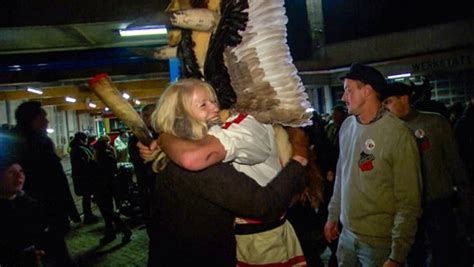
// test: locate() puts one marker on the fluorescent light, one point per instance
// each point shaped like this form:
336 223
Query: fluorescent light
403 75
143 31
70 99
50 131
126 96
137 102
92 105
35 91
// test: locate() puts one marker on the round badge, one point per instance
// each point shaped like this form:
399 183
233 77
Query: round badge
369 144
419 133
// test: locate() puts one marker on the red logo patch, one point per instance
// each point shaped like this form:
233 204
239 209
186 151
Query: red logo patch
367 166
366 162
425 145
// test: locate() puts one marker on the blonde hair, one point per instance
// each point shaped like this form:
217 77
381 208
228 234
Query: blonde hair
173 112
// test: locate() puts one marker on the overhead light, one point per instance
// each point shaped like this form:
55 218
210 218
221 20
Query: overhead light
35 91
50 131
149 30
137 102
403 75
92 105
15 67
126 96
70 99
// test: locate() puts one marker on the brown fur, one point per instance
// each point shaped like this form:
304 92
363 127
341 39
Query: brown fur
312 194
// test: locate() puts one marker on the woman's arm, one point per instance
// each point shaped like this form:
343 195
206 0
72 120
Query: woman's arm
193 155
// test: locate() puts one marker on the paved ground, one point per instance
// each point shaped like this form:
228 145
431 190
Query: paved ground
83 240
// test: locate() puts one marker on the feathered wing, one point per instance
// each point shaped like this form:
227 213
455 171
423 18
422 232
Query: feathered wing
248 61
189 64
232 20
261 69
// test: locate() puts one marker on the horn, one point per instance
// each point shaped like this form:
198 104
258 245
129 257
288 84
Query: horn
103 87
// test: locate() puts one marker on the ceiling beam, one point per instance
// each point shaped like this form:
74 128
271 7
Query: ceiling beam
80 106
143 96
83 107
136 89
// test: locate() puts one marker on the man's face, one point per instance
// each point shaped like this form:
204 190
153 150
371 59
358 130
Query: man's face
40 123
354 96
395 105
204 107
12 180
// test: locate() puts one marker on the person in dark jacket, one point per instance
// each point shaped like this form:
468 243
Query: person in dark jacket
143 172
104 194
84 174
194 212
23 224
45 178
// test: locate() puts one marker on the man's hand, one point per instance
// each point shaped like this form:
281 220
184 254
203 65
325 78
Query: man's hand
148 153
331 231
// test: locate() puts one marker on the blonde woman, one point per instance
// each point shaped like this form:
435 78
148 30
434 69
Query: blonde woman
185 113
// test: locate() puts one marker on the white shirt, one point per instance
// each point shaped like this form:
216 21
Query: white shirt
250 146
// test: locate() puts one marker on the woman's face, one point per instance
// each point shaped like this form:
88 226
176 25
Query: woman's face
12 180
204 107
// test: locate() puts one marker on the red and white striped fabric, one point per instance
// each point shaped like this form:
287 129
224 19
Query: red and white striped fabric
278 247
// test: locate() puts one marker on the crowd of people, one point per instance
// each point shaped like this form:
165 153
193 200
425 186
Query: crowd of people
379 183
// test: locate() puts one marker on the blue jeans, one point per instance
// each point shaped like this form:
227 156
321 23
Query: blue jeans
354 252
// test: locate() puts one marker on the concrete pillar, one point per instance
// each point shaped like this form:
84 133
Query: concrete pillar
316 25
4 114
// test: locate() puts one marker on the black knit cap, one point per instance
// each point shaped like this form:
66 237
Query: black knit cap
398 89
367 75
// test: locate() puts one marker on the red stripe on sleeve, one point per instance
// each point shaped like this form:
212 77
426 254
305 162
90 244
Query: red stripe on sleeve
237 120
